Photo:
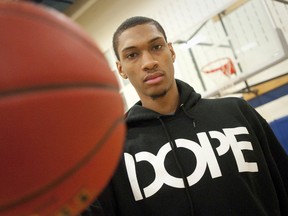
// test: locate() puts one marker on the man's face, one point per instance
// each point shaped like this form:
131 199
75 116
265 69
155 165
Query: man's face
147 60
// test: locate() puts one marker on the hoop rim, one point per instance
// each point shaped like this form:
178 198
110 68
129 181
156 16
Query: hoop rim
229 63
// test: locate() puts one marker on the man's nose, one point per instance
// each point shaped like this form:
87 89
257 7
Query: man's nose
148 61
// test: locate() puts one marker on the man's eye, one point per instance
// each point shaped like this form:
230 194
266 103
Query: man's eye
157 47
131 55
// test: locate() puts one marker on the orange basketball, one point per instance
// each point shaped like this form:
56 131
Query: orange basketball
61 125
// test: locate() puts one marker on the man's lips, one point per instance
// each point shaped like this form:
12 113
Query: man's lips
152 76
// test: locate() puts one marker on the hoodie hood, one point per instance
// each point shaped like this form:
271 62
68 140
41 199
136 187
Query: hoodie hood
186 92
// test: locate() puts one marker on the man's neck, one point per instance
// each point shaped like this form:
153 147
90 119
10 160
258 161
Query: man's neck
165 105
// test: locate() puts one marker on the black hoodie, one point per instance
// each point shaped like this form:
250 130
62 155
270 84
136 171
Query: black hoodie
211 157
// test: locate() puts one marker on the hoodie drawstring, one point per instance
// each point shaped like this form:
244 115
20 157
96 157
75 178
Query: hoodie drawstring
179 166
188 115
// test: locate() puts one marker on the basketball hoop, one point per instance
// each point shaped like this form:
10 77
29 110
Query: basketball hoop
219 72
223 64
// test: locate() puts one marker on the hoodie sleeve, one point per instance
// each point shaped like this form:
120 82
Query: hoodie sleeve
275 155
277 161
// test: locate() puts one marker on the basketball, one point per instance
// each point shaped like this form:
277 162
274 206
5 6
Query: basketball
61 114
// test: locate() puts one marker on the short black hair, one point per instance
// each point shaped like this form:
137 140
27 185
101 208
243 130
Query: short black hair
131 22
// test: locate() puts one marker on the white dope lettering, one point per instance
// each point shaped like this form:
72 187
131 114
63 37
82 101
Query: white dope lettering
204 155
237 148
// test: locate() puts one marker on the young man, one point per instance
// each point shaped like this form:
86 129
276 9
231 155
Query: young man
185 155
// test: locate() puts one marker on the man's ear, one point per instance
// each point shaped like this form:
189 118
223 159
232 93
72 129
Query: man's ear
120 70
172 51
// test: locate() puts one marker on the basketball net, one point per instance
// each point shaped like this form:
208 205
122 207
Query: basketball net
220 72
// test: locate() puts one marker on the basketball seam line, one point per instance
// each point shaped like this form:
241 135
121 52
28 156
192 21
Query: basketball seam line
56 88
